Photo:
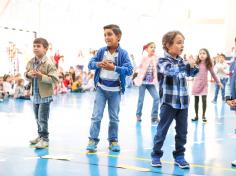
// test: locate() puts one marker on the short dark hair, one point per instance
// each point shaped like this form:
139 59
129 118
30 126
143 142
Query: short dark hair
115 28
222 55
42 41
169 37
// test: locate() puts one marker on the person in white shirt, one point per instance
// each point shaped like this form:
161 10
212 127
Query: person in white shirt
222 70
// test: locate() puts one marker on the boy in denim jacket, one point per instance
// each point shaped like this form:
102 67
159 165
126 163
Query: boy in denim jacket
111 65
230 91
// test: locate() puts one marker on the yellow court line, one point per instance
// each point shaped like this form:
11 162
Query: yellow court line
163 161
142 159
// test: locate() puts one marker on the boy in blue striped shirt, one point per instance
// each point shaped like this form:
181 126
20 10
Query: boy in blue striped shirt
111 65
174 97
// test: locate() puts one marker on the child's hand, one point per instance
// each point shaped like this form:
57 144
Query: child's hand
231 103
108 65
221 85
37 73
30 73
191 61
100 64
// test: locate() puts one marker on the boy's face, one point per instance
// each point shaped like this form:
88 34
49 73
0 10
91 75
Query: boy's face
39 50
110 38
221 59
177 47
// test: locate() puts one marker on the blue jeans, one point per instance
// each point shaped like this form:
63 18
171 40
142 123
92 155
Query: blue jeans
153 92
113 100
217 88
41 112
167 114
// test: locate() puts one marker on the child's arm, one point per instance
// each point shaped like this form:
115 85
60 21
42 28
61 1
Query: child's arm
214 76
171 69
126 67
51 77
191 71
94 61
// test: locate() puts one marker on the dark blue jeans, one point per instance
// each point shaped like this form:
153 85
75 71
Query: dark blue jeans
41 112
167 114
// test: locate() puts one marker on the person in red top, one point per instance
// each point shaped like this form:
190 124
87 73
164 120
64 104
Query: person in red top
57 58
67 81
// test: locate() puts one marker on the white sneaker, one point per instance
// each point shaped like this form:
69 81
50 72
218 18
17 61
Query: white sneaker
233 163
34 141
41 144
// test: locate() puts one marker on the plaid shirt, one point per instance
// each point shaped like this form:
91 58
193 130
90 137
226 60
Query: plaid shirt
36 97
172 81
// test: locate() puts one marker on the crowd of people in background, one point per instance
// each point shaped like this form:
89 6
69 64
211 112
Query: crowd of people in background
79 79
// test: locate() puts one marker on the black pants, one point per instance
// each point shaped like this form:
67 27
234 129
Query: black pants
204 105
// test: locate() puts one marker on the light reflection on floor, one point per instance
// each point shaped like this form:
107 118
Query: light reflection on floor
210 147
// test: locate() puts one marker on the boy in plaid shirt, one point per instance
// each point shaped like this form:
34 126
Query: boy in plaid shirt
174 97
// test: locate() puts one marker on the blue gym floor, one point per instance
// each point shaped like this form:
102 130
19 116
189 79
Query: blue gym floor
210 147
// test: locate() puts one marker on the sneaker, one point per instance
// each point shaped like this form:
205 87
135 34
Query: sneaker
156 162
204 119
139 119
92 146
41 144
194 119
181 162
233 163
34 141
214 102
114 146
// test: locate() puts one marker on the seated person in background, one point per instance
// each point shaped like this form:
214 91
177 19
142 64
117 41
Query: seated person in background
2 92
90 84
72 73
20 91
67 81
60 88
7 85
77 85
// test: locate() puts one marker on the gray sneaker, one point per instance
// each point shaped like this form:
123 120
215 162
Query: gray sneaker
34 141
41 144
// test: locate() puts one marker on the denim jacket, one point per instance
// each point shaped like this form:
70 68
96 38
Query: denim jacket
230 89
123 65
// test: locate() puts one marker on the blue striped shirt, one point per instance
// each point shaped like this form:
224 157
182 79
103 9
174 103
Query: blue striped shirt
172 81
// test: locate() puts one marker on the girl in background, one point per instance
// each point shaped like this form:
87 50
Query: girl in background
200 83
147 79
